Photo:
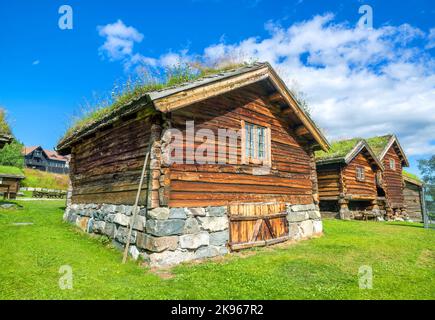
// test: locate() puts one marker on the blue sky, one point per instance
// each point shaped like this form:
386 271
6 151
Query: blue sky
47 73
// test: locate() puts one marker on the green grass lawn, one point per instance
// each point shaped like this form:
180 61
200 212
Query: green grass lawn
402 256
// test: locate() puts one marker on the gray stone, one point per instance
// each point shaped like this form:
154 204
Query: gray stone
314 214
297 216
170 258
295 231
158 213
197 212
191 226
87 213
162 228
301 207
139 223
317 227
210 251
110 229
216 211
156 244
99 227
121 235
177 213
127 210
117 245
108 208
143 212
219 238
121 219
72 218
307 228
194 241
213 224
110 217
134 252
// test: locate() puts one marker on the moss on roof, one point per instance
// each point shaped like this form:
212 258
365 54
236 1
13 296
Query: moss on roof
130 92
13 171
378 144
411 176
339 149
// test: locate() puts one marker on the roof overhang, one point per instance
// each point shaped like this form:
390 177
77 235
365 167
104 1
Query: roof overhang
413 181
360 146
173 100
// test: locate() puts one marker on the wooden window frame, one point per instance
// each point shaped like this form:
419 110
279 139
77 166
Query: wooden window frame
392 164
360 174
267 161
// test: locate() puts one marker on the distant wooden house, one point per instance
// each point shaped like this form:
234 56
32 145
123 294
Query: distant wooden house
347 179
45 160
10 180
263 190
389 151
413 196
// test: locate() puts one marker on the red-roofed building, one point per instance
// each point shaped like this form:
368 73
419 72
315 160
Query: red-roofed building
45 160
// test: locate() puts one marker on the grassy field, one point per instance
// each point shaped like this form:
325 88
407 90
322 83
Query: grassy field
402 256
47 180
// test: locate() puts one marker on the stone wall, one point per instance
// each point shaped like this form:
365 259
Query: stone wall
164 236
304 221
161 236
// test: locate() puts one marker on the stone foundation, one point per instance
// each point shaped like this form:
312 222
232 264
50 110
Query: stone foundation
168 236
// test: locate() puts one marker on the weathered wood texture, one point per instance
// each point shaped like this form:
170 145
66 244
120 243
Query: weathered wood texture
106 167
412 198
360 188
329 181
10 187
393 179
194 185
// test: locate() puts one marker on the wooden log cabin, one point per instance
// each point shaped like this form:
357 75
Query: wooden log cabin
260 190
389 151
10 181
413 196
347 180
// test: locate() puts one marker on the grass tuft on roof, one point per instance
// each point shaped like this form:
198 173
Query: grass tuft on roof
411 176
378 144
134 89
338 150
14 171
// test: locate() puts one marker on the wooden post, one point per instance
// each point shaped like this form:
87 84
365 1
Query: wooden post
135 207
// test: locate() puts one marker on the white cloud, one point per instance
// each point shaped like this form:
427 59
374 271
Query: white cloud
358 82
119 40
36 62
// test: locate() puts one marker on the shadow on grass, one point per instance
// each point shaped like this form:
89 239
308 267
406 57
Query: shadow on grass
402 224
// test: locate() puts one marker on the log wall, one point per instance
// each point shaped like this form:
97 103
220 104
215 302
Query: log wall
194 185
356 188
106 167
393 179
412 198
329 181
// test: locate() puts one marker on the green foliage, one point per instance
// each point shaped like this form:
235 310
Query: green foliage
136 88
11 171
411 175
11 155
339 149
378 144
4 126
46 180
401 254
427 169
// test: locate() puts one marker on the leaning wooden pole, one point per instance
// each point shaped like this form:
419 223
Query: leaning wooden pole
135 209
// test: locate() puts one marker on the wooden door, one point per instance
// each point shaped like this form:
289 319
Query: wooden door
257 225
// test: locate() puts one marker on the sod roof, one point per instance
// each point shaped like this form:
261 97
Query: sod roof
339 149
8 171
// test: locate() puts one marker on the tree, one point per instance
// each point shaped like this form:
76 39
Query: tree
12 155
427 169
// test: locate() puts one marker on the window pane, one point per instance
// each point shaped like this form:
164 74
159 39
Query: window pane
260 142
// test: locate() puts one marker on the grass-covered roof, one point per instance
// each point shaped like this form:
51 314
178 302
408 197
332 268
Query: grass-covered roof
378 144
411 176
339 149
11 171
133 90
